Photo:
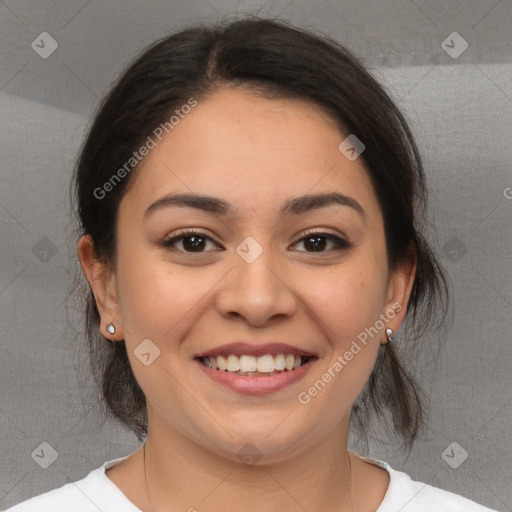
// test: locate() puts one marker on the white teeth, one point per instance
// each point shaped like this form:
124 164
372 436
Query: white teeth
222 362
246 364
266 364
233 364
279 362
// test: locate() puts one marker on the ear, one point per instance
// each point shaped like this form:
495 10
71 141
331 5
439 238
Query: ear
399 288
102 280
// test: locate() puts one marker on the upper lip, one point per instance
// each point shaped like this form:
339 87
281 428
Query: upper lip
241 348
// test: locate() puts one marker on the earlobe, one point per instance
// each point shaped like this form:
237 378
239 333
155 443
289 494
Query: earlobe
101 279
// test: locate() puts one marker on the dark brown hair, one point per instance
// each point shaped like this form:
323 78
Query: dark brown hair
280 61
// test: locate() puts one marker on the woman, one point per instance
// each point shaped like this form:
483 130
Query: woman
250 203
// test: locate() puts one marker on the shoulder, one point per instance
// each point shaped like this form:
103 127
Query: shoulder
92 493
408 495
57 499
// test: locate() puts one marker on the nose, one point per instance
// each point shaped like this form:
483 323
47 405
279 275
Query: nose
257 292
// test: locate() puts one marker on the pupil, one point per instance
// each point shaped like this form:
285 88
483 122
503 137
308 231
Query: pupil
194 242
315 246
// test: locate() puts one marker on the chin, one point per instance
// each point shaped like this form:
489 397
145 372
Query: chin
263 446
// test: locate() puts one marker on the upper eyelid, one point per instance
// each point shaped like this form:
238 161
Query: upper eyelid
185 233
340 241
322 232
302 234
319 231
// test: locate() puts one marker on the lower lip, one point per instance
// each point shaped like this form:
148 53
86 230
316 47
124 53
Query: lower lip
256 385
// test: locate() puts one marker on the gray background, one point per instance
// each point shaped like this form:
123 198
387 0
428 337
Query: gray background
461 112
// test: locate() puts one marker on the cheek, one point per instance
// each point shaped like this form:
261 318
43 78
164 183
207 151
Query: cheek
154 299
163 301
345 305
346 300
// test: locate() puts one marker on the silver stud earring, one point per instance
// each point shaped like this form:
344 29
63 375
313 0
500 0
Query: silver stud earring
390 334
111 329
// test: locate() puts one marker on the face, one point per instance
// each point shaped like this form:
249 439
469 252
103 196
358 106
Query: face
255 271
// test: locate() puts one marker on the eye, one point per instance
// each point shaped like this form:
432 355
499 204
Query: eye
190 241
318 241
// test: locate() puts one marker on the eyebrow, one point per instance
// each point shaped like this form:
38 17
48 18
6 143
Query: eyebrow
294 206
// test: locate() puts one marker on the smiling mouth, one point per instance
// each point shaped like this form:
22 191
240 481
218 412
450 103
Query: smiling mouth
251 366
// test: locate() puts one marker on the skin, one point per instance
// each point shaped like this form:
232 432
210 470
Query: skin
255 154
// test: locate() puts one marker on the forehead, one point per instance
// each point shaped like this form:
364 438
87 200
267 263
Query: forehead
252 151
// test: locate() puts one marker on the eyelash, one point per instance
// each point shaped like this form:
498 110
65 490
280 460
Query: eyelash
189 233
339 242
186 233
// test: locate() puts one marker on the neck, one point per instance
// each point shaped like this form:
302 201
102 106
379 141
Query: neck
181 473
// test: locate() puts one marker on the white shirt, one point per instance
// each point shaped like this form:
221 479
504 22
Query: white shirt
97 492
